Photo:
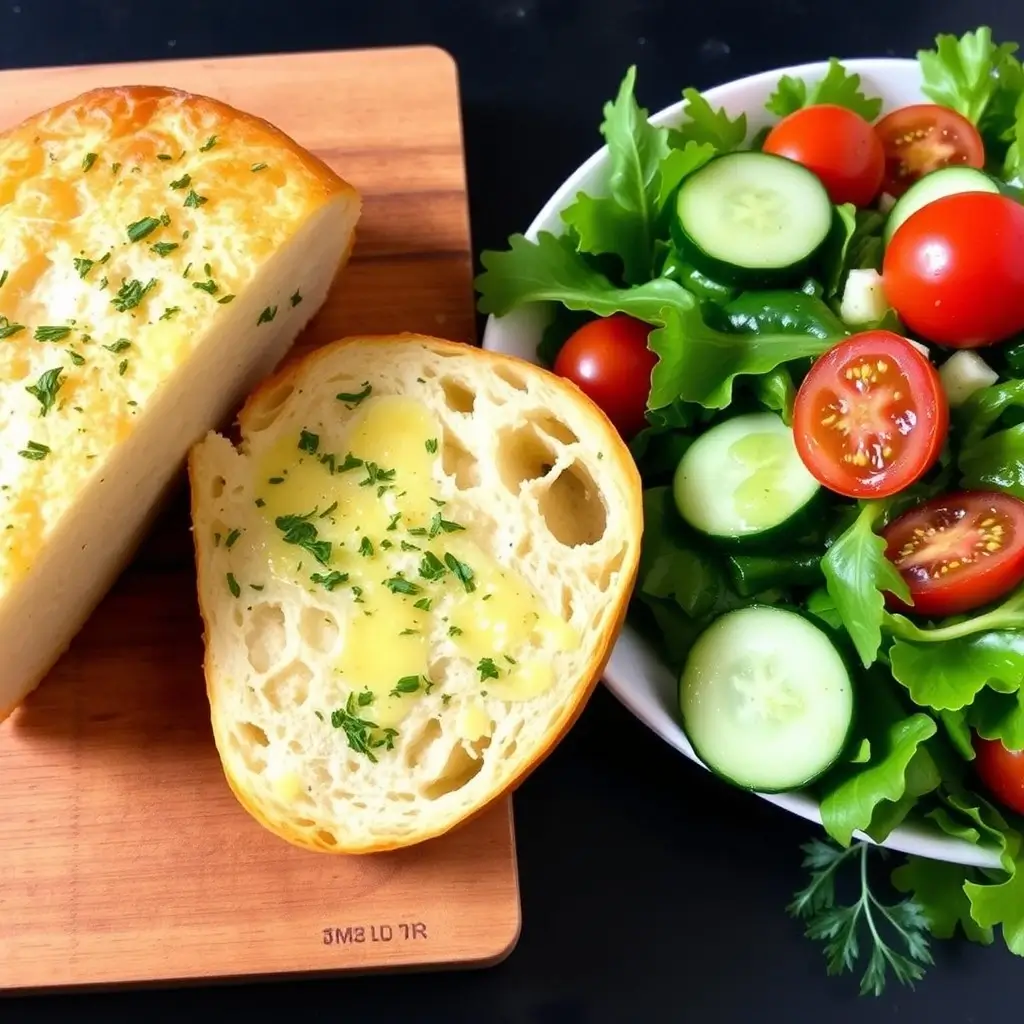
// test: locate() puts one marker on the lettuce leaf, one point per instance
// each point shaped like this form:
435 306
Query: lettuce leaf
857 574
838 86
938 889
705 125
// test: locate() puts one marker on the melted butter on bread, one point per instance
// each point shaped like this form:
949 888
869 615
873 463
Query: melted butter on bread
411 571
151 271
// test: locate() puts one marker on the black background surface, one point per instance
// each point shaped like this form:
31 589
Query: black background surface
650 891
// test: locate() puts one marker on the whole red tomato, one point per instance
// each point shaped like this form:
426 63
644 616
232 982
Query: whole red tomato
842 149
609 361
1002 772
954 270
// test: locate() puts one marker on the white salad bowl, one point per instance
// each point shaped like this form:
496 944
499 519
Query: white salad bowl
635 674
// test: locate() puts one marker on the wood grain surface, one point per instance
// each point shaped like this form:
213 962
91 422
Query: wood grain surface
123 856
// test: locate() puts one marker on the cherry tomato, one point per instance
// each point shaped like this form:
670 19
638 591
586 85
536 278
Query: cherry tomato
609 361
960 551
923 138
871 416
954 273
837 144
1002 772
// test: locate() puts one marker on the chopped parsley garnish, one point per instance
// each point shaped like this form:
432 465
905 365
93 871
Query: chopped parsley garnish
3 281
423 604
210 287
130 294
295 299
431 445
45 389
366 547
76 358
187 270
445 698
276 480
365 698
9 330
350 462
394 520
363 735
487 669
119 346
114 168
510 659
407 684
431 567
194 200
233 585
259 503
83 265
225 299
51 333
438 524
330 580
258 167
406 546
299 531
163 248
454 631
400 585
309 442
267 315
169 312
461 572
141 228
35 451
355 397
327 511
232 537
87 161
183 182
374 475
121 367
208 144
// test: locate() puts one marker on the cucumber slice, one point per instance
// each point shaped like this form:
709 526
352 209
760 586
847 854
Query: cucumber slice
743 478
751 219
949 181
766 699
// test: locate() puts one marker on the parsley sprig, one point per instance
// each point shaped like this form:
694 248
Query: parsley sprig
843 928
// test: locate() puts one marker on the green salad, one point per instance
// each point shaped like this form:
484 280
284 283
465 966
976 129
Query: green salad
812 337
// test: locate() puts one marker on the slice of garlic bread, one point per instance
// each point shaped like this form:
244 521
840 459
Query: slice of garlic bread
159 252
411 573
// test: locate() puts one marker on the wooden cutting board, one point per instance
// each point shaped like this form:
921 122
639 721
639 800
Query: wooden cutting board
123 856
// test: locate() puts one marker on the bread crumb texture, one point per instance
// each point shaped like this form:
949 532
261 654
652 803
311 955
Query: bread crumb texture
131 219
411 572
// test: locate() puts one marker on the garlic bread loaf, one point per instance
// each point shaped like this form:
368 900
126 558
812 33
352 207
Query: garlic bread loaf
411 572
159 252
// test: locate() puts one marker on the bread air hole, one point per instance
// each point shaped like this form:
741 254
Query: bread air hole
266 412
266 637
418 748
246 740
510 377
327 838
523 455
602 576
572 507
554 427
217 486
288 688
319 629
462 766
458 463
457 396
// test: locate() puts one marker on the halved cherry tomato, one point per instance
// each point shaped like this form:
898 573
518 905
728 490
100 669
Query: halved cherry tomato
954 270
1002 772
871 416
841 148
923 138
960 551
609 361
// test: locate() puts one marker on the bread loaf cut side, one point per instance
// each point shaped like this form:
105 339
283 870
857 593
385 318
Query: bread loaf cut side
411 572
159 253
